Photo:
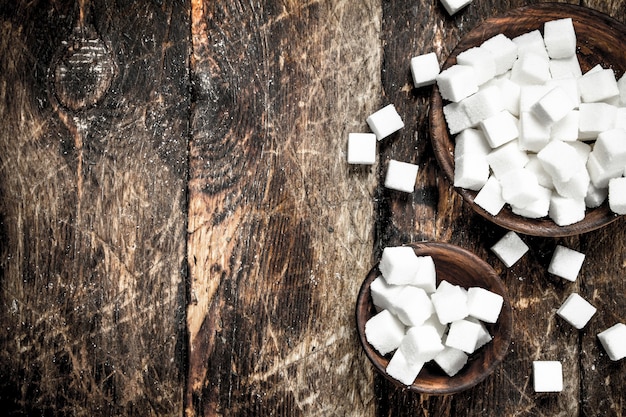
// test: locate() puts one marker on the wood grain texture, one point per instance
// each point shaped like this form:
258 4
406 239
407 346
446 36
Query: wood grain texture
280 228
93 208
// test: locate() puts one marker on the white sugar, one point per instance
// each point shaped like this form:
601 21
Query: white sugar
576 311
424 69
384 332
547 376
401 176
613 340
385 121
566 263
510 248
361 148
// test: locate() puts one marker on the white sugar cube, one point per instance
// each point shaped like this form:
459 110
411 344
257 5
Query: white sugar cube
453 6
457 82
600 174
569 84
483 335
483 304
385 121
471 172
510 95
519 187
504 51
471 141
510 248
530 94
610 148
500 128
565 67
456 118
544 179
483 104
617 195
490 196
426 277
554 106
506 158
583 149
595 118
401 176
450 302
566 129
434 322
398 265
361 148
560 160
531 68
481 60
595 196
575 187
534 133
421 344
451 360
530 42
538 208
576 311
613 340
463 335
560 38
598 86
620 117
412 306
384 332
566 210
424 69
547 376
383 294
402 369
566 263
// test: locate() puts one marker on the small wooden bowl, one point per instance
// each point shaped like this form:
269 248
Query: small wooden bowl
599 41
460 267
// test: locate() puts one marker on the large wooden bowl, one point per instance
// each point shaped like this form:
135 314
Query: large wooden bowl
600 40
460 267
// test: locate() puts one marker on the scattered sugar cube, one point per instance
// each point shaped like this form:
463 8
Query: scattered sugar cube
483 104
560 38
361 148
538 208
530 42
463 335
595 118
402 369
554 106
519 187
595 196
398 265
456 119
471 141
547 376
576 311
566 263
424 69
483 304
504 51
597 86
560 160
412 306
534 133
401 176
610 148
421 344
471 172
450 302
453 6
510 248
384 332
383 294
490 196
566 129
500 128
426 277
457 82
385 121
613 340
617 195
481 60
565 67
566 210
531 68
506 158
451 360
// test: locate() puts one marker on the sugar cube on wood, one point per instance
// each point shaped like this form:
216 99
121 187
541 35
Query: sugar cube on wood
401 176
403 369
385 121
510 248
384 332
424 69
547 376
566 263
453 6
560 38
361 148
399 265
613 340
576 311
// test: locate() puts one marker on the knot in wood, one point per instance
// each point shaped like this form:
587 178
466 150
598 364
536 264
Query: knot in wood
84 70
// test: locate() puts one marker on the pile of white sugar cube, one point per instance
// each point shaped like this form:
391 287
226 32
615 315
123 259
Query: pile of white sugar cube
532 131
420 322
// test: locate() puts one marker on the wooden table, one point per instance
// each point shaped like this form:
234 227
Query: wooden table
181 233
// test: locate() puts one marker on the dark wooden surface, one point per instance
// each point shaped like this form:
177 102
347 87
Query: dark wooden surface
181 234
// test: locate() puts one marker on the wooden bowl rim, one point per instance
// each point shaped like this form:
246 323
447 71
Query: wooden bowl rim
441 384
532 17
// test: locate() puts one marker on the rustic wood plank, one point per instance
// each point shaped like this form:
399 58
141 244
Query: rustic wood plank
94 107
281 229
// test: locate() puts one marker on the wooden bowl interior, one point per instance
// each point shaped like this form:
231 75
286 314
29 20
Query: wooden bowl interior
599 41
461 267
